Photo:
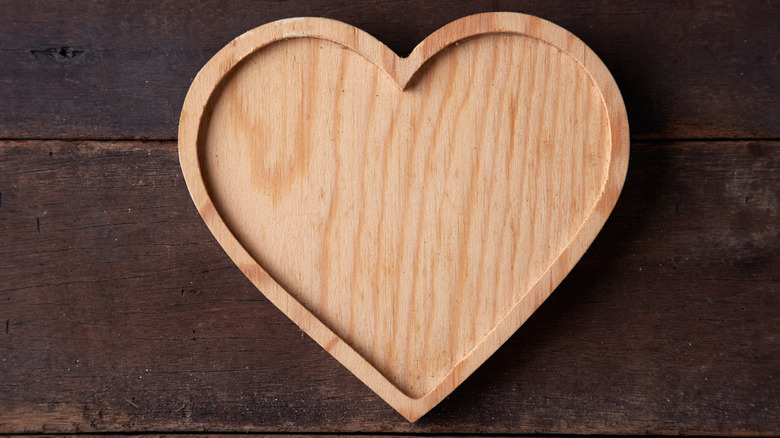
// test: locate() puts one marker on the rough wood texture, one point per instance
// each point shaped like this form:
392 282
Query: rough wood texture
84 69
408 214
121 313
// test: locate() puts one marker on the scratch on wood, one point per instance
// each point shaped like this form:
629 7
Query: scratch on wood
133 404
63 52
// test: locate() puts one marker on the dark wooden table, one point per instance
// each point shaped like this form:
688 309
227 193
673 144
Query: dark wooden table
119 312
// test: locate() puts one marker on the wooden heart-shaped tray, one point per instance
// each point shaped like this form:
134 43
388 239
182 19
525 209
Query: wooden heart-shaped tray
408 213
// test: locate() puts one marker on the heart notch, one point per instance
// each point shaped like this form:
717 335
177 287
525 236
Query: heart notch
409 214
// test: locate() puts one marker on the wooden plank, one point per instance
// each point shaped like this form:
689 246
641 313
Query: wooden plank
98 70
120 313
270 435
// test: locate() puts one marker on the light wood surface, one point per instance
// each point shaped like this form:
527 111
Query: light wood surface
408 213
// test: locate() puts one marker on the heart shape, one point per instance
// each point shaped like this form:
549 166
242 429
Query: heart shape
410 213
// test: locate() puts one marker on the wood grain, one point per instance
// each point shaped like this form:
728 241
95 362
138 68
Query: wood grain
666 326
84 69
113 294
408 213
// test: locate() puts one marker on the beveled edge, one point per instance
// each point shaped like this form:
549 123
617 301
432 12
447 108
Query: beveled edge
401 70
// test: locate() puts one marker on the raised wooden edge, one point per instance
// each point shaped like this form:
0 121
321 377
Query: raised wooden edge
401 70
